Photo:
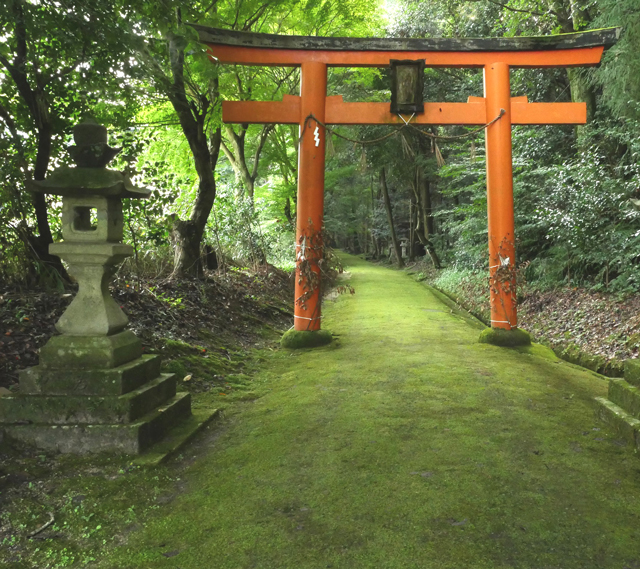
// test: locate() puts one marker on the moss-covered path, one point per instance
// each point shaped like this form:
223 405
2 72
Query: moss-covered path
405 445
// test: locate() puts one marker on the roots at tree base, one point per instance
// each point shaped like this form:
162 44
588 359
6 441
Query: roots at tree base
295 339
507 338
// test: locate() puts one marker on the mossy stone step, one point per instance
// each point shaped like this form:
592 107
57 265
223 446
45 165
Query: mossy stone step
627 426
178 438
132 438
632 372
66 409
114 381
625 395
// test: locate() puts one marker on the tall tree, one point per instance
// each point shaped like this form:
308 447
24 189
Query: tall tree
392 229
236 153
177 66
55 63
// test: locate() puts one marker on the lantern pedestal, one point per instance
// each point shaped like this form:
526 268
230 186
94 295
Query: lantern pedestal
93 390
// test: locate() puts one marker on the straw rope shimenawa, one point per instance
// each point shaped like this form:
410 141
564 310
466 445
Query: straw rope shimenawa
406 124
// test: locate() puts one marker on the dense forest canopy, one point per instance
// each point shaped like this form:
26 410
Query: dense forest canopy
228 191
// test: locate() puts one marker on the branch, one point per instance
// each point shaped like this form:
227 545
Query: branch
211 6
266 129
5 63
69 68
283 19
18 73
507 7
255 17
238 82
235 138
42 527
177 93
280 82
6 117
21 35
11 125
228 154
215 142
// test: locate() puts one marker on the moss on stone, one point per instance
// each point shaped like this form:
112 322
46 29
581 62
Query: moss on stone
185 359
574 355
505 338
295 339
632 371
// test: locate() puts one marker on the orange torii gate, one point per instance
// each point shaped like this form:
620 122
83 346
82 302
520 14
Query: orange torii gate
497 109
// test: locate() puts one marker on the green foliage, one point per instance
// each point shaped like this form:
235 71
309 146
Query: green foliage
618 77
56 66
469 289
575 221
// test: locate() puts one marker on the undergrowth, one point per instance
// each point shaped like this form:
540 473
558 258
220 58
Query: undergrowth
583 326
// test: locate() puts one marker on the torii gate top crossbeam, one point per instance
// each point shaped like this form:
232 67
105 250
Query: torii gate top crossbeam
564 50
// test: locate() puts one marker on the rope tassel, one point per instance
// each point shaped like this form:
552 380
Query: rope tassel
363 161
331 151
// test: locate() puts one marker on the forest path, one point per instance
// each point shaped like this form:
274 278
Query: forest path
405 444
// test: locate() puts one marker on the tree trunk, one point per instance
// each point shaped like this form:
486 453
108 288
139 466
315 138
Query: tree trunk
287 212
424 228
425 199
571 18
237 155
187 259
387 204
188 234
36 102
40 243
412 230
376 247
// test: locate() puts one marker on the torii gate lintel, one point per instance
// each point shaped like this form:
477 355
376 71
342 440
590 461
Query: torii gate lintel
473 112
497 109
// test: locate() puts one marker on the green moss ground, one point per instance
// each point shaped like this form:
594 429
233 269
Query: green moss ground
403 444
406 443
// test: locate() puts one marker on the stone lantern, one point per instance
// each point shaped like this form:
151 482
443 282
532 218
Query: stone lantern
404 244
93 390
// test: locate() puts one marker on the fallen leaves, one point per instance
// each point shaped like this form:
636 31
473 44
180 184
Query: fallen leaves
232 308
597 323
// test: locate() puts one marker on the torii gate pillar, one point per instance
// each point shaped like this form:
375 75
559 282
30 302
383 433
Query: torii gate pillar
310 210
497 92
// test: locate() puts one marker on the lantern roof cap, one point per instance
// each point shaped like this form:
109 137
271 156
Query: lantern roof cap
85 182
91 177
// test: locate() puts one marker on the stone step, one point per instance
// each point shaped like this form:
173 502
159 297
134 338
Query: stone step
67 410
625 395
627 426
114 381
172 443
132 438
632 372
